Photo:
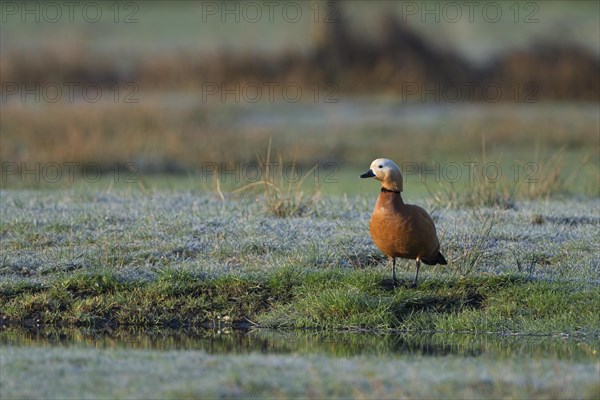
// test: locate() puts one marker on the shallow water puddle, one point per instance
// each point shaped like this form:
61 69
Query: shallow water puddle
341 344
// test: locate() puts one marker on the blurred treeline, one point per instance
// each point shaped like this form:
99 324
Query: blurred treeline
397 59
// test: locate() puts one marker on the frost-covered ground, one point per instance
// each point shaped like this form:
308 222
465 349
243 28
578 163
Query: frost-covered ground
44 233
118 373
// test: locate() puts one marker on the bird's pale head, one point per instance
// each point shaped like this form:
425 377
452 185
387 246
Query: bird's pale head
387 172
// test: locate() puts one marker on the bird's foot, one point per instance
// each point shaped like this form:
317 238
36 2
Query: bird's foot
413 285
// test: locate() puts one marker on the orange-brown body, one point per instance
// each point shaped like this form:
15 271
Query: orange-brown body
403 230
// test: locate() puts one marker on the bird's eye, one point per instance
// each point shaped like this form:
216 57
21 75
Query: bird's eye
381 166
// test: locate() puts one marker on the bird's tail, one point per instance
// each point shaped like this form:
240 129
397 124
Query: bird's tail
437 259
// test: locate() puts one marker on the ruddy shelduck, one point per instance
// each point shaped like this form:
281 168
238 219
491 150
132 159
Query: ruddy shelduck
398 229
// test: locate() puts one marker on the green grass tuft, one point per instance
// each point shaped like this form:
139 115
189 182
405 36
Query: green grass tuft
283 194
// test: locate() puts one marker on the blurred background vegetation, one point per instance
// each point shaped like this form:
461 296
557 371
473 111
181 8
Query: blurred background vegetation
169 87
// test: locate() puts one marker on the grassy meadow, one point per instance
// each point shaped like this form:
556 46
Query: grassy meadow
165 240
179 260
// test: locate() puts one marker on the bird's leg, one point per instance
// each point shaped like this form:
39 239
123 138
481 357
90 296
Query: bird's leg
415 282
394 280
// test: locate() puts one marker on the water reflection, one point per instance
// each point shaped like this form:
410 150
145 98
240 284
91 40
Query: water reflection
341 344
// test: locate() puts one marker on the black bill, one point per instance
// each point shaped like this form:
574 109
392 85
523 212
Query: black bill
368 174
